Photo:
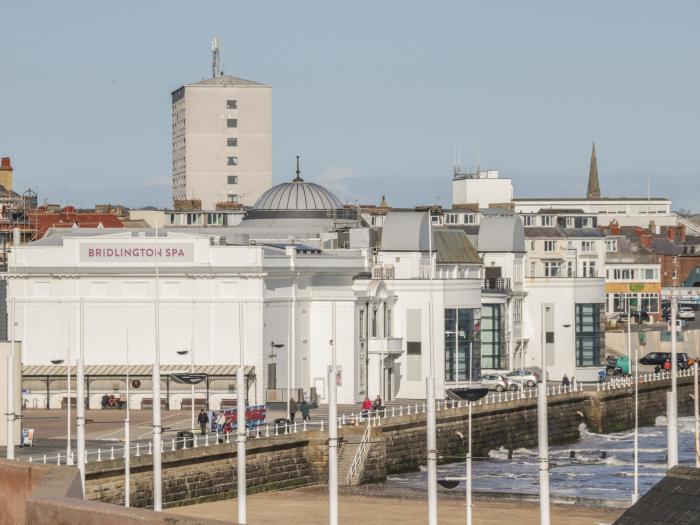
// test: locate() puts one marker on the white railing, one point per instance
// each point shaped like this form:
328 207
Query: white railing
372 418
359 454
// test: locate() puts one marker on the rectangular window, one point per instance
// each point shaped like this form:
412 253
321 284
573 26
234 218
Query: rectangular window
232 161
232 179
492 336
232 142
373 332
590 334
589 269
570 222
231 104
527 220
232 123
387 321
649 274
547 220
586 246
462 348
553 269
550 246
611 245
414 354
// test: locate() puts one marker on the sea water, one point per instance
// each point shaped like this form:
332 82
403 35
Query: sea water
602 466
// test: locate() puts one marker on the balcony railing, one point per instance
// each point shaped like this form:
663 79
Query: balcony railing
385 345
497 284
383 272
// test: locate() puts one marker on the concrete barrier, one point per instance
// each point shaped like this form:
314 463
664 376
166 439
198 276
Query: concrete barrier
50 495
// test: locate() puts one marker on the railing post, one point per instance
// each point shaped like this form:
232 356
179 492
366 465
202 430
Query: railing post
58 460
111 456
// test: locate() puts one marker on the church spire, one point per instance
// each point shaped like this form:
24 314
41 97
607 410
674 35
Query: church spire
593 183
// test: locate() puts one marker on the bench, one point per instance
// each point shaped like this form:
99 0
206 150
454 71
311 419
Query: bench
147 403
228 403
198 403
73 402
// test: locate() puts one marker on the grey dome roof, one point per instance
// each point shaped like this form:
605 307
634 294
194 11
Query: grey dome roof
298 196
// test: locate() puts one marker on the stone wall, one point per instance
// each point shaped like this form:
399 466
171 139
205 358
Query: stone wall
511 425
613 410
207 473
398 445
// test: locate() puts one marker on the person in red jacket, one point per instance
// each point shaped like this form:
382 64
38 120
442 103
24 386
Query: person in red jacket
366 407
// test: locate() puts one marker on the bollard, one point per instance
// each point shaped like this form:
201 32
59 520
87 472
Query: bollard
322 425
111 455
150 448
206 439
267 431
44 459
401 410
304 425
195 442
228 434
138 450
99 455
295 427
58 460
172 445
393 411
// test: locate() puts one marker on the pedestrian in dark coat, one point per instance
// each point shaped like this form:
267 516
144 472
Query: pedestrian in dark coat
292 409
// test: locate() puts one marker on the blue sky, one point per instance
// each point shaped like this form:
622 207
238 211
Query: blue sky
372 95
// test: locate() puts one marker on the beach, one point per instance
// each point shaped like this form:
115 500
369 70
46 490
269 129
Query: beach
309 506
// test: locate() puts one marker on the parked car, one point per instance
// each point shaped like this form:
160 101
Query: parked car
494 382
659 358
523 377
687 313
680 325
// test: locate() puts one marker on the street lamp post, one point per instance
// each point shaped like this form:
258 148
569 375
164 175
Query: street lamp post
10 449
127 436
80 399
68 412
431 438
191 352
543 440
672 396
241 436
333 429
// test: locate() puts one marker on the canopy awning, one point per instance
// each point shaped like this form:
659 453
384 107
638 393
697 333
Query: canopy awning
214 371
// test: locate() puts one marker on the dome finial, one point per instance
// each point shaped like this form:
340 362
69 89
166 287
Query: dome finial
298 177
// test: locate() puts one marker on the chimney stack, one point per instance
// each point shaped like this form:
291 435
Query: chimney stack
681 232
652 227
6 173
645 240
671 233
614 228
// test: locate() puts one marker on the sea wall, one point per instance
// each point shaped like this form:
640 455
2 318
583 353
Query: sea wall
397 444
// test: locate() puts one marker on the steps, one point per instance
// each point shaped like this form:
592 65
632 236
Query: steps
347 453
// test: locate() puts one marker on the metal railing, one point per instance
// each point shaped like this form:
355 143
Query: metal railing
371 418
359 454
500 284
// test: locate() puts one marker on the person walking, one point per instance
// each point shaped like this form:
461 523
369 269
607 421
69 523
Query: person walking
220 422
667 365
305 409
203 419
565 381
377 405
292 409
366 407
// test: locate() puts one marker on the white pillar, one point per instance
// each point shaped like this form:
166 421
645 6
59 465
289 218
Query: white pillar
241 443
333 430
672 398
127 436
10 450
80 398
432 451
543 449
635 492
157 465
469 465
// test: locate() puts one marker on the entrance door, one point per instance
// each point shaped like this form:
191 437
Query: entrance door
272 376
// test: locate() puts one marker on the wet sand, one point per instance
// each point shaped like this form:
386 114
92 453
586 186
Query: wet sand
309 506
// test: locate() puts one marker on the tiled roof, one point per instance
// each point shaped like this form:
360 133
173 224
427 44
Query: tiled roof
537 232
453 247
675 499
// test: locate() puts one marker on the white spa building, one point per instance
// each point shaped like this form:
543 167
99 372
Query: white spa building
299 273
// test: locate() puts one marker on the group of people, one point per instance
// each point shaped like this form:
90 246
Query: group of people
221 424
304 407
371 406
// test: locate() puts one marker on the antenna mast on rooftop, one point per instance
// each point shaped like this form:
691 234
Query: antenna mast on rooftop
215 60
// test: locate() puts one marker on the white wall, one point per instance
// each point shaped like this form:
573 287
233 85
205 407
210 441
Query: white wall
483 192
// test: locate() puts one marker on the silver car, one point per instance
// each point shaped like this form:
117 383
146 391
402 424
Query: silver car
495 382
523 377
